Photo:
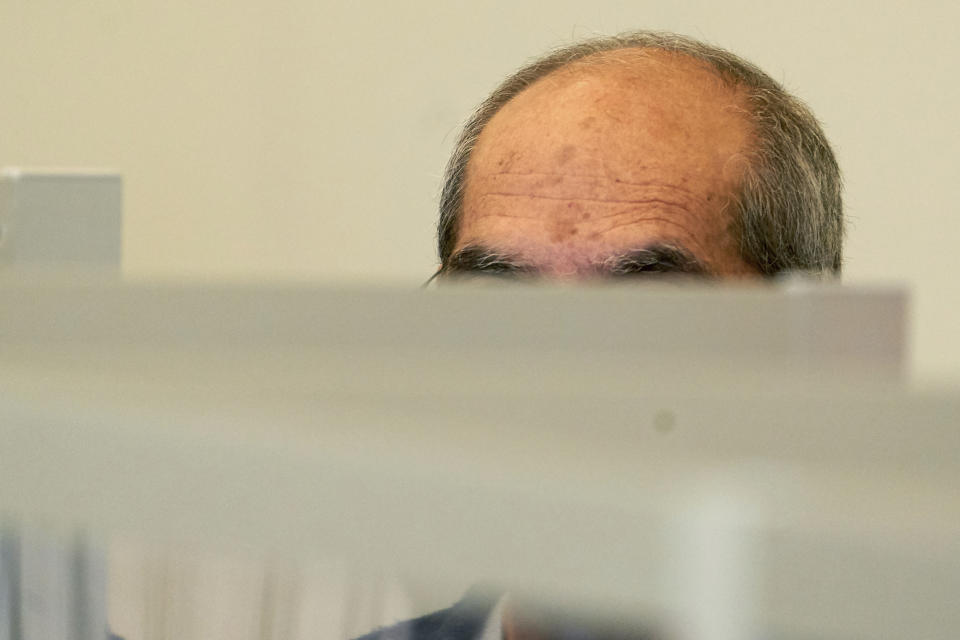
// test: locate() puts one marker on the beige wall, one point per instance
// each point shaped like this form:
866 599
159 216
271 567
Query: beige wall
305 139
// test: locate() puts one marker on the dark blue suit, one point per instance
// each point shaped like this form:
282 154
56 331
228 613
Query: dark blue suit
462 621
466 619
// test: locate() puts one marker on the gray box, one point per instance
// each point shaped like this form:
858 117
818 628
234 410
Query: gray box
52 220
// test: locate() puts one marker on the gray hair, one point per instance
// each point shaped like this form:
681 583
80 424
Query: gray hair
789 209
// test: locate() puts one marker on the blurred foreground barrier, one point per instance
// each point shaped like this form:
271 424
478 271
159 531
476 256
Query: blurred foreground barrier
716 463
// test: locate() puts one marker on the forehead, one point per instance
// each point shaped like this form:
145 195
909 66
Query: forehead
609 151
638 105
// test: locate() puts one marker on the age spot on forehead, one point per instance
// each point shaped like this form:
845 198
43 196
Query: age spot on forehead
562 231
566 154
505 163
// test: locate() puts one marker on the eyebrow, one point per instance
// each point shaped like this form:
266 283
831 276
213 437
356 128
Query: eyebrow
655 259
476 259
651 260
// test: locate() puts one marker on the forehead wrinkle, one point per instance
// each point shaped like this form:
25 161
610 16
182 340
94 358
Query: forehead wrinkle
689 237
547 179
641 201
577 188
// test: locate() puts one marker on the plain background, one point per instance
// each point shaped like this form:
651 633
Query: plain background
305 139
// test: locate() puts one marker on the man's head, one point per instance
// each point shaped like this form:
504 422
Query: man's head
641 152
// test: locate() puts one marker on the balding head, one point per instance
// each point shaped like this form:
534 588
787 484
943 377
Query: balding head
639 153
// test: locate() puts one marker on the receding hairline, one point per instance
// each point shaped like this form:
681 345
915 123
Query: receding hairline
630 56
636 62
